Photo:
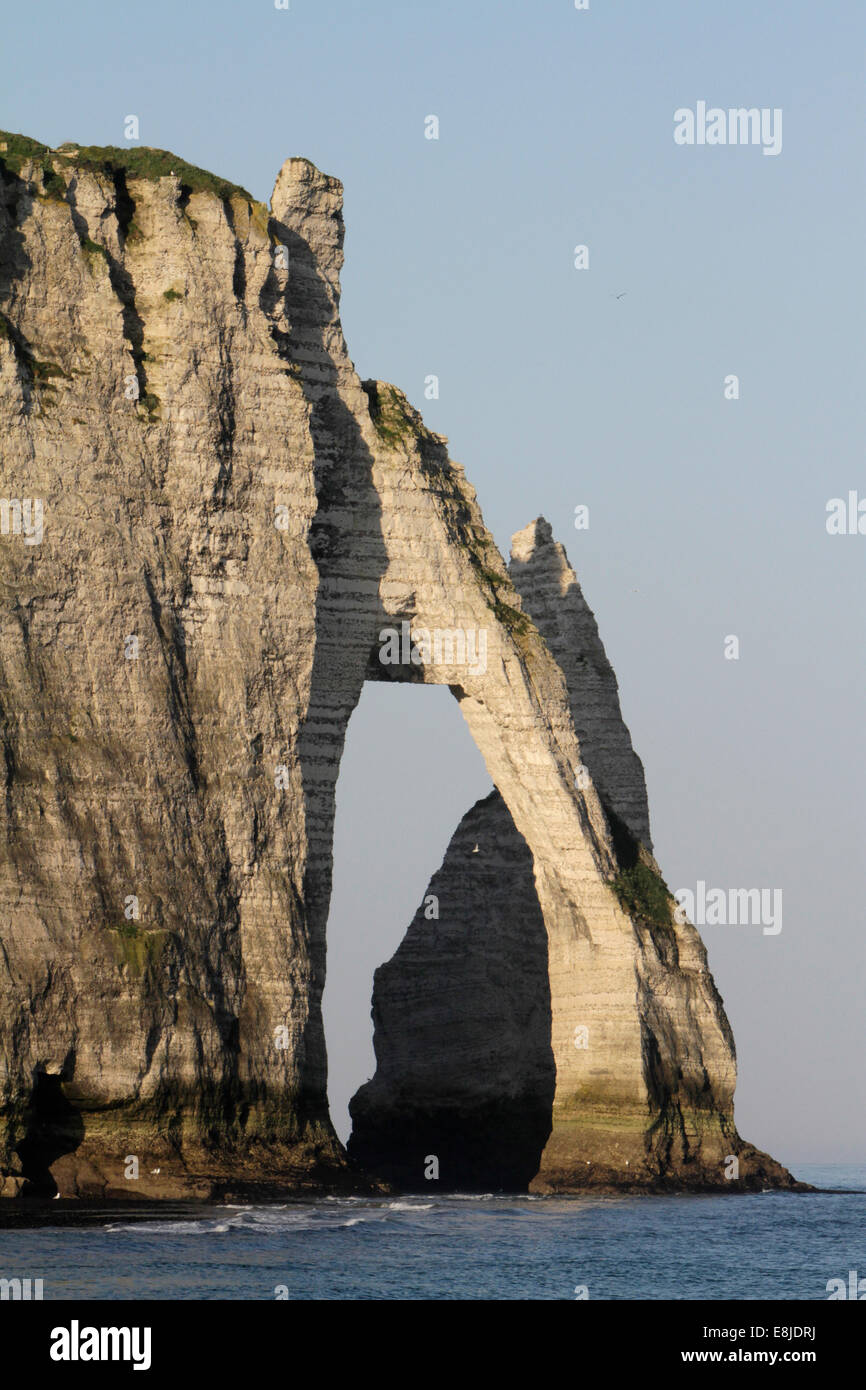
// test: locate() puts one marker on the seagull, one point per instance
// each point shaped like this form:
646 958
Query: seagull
620 296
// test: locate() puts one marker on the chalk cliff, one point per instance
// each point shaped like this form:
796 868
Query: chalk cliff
217 521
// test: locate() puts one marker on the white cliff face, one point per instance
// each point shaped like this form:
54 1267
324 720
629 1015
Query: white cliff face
232 520
156 651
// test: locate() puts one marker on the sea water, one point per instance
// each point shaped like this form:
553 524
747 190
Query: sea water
765 1245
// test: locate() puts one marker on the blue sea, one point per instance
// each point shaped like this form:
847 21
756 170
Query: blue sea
766 1245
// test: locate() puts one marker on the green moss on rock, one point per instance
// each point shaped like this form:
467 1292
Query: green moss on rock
643 893
92 248
52 183
391 413
137 949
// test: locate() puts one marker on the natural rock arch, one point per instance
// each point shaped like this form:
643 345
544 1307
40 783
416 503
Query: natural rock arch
255 516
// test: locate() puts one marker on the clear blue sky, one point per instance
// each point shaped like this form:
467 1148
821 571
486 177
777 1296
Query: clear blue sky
707 516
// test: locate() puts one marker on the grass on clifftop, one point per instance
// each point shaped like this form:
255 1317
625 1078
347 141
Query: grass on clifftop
136 162
19 148
142 162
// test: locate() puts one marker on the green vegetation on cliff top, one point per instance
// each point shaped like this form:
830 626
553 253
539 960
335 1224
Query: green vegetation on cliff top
137 162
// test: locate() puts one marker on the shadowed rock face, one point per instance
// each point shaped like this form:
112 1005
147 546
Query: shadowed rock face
229 520
462 1024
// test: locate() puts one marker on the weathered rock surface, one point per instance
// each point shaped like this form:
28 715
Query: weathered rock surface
230 520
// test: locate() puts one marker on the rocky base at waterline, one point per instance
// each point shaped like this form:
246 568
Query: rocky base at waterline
71 1153
754 1172
208 521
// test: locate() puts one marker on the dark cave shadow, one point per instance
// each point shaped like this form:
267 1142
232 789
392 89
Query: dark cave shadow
54 1128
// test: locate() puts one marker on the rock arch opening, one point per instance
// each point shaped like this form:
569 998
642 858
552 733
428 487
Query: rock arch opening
409 769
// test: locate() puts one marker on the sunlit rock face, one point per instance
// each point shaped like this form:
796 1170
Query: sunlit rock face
213 534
